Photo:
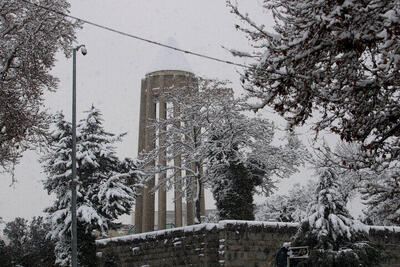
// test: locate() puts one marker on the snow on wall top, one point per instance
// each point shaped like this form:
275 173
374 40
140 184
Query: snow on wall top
221 225
192 228
395 229
168 59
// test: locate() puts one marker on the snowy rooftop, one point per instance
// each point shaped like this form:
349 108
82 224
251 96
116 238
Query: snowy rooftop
168 59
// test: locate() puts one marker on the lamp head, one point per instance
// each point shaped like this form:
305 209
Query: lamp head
84 50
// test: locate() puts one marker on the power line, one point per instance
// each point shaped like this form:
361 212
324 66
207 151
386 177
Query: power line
137 37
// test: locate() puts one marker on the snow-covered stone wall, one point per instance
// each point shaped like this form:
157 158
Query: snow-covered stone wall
178 247
227 243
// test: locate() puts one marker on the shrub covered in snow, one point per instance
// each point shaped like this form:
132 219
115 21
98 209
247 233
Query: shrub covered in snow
287 208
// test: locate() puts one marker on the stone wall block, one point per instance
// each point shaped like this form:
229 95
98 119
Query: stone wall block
230 245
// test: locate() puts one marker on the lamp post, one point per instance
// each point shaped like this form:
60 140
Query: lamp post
74 243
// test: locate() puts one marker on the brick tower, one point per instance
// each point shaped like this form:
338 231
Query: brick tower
170 69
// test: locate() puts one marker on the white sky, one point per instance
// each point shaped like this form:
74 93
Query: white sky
109 75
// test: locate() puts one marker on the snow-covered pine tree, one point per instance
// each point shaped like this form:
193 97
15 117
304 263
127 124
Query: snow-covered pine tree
105 186
346 160
333 236
336 58
381 194
103 175
379 187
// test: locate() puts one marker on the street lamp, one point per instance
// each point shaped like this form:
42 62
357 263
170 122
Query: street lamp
74 243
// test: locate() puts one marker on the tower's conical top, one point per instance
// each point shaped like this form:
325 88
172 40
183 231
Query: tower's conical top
169 59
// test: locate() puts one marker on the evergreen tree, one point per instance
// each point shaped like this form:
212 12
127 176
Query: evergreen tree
105 185
233 192
16 231
333 236
29 244
381 194
5 257
379 187
232 183
346 160
39 246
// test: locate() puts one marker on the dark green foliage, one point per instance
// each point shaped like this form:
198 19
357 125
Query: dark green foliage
357 254
111 260
29 245
234 193
86 248
16 232
5 255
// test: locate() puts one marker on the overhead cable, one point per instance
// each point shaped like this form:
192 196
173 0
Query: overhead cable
137 37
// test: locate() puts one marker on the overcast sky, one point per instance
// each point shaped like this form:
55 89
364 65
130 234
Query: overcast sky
109 75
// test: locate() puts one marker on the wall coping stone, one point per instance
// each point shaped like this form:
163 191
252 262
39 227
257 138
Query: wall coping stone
222 225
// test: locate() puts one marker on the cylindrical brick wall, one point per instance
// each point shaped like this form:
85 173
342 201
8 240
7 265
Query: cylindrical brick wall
152 85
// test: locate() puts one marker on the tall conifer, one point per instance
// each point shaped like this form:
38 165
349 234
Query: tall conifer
105 185
333 236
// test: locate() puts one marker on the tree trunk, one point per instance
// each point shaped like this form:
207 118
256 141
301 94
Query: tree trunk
198 195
